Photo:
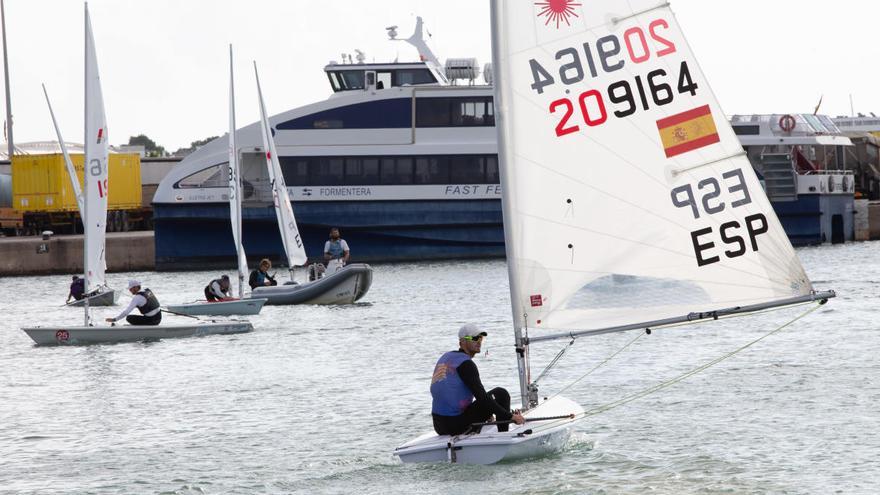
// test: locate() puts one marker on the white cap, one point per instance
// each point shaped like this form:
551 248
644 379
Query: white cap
133 283
470 330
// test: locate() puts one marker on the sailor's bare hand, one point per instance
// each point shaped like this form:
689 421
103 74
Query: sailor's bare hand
518 417
109 320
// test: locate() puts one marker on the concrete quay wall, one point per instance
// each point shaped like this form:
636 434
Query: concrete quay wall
126 251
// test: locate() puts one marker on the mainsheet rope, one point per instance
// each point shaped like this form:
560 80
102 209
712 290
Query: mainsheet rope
650 390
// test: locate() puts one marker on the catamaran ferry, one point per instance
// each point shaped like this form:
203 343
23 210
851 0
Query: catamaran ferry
402 157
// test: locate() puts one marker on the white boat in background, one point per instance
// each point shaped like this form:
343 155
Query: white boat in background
90 335
345 285
634 131
94 222
243 307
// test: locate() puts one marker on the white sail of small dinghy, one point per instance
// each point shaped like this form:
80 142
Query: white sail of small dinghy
71 170
94 223
628 201
95 172
235 186
290 237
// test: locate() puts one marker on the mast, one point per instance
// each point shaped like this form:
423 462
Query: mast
234 188
9 141
527 392
84 214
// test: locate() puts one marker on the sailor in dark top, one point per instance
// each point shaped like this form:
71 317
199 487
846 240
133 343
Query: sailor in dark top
261 277
218 289
145 302
459 398
77 288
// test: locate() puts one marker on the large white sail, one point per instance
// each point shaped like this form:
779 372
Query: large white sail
234 186
95 173
293 244
627 196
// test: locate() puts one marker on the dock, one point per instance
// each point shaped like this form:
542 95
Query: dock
63 254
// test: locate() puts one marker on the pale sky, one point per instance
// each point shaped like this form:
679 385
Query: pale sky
164 63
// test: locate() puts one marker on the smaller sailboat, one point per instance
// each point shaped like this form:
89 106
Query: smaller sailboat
240 306
343 286
96 291
94 221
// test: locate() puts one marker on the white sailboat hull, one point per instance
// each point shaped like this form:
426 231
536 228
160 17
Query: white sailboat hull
343 287
104 297
533 439
80 335
220 308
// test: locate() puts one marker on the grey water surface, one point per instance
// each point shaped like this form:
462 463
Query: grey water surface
315 399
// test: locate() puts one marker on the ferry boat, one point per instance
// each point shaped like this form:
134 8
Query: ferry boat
801 161
401 157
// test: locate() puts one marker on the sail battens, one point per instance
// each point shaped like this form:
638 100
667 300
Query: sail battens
692 317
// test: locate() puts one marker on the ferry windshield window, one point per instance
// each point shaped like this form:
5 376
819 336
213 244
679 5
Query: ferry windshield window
209 177
449 112
347 80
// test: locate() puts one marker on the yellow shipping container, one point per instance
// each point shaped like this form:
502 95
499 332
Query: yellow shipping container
41 182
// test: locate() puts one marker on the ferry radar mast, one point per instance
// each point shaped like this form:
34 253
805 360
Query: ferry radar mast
418 41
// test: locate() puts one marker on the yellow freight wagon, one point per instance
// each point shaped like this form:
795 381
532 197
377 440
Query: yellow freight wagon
40 183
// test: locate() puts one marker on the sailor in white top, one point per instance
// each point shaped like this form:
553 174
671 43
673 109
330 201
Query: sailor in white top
145 302
336 248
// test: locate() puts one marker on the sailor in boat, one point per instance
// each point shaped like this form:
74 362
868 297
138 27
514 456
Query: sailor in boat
260 277
336 252
218 290
145 302
459 398
77 289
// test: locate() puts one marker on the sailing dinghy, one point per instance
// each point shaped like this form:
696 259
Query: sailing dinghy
239 306
344 286
89 335
628 201
94 220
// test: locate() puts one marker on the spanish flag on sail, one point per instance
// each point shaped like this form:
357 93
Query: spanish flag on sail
687 131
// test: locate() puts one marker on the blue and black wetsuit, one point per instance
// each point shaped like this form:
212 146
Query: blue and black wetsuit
459 398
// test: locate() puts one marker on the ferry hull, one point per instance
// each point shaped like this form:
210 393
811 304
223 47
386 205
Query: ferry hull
198 236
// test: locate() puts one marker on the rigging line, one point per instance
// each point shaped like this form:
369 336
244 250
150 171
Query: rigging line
553 362
682 377
603 363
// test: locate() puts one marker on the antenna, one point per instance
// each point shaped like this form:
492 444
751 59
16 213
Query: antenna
392 32
361 56
852 112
